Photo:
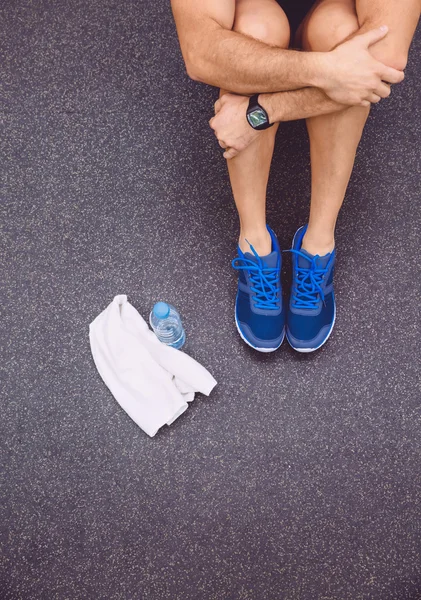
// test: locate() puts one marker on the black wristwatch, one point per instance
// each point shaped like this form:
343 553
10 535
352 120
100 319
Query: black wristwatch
257 117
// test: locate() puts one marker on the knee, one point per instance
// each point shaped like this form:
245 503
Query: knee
269 26
391 51
323 32
397 60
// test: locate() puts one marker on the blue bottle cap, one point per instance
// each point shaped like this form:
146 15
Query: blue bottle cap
161 310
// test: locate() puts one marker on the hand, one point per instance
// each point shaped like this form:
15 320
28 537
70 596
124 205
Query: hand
231 126
354 76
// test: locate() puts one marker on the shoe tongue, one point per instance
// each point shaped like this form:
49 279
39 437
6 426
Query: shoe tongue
304 263
270 260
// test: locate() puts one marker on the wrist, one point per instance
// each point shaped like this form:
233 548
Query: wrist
320 69
266 101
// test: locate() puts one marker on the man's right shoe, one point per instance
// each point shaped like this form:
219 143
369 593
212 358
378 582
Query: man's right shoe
259 310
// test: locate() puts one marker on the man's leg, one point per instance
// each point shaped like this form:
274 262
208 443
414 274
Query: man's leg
333 143
249 171
334 138
259 310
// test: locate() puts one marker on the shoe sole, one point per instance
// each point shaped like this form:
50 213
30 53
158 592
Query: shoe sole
308 350
265 350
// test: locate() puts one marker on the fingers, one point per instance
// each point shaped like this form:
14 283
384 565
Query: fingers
382 90
230 153
373 36
391 75
217 106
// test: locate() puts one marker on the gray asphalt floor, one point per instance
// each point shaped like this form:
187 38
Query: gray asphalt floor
299 477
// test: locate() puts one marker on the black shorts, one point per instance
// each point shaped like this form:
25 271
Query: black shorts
296 10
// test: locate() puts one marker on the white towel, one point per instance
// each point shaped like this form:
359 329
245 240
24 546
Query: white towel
152 382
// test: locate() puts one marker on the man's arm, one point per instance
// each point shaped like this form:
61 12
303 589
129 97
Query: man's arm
300 104
216 55
235 134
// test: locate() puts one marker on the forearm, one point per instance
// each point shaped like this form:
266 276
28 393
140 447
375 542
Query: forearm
298 104
243 65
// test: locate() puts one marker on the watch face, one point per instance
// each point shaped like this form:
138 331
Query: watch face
257 117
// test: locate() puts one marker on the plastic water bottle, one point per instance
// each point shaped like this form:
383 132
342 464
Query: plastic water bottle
166 323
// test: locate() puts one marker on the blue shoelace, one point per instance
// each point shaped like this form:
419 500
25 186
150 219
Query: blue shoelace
307 287
263 279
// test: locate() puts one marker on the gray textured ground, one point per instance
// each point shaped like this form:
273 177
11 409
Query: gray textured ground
299 478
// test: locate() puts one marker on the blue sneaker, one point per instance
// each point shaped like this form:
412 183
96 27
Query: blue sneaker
312 309
259 312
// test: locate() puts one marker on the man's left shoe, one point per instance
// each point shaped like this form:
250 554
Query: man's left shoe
312 309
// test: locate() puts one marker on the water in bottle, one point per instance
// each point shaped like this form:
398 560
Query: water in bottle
166 323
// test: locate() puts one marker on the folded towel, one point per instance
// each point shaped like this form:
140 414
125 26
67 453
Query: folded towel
152 382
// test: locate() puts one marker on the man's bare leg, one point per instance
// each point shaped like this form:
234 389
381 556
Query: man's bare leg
249 171
334 138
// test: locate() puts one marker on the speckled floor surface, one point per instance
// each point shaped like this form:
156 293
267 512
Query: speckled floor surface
299 478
